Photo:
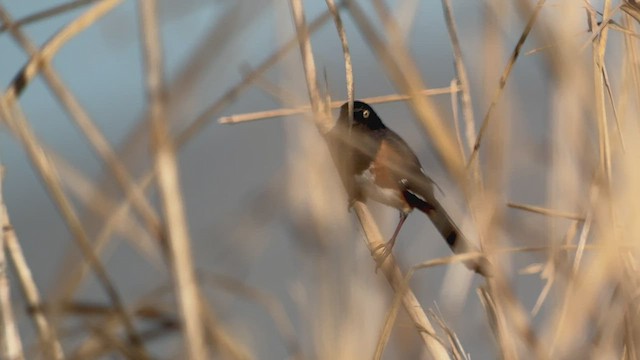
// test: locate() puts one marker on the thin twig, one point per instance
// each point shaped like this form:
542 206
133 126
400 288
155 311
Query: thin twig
16 121
456 117
545 211
599 47
503 79
91 131
28 286
46 333
122 210
31 69
11 345
236 90
348 68
53 11
268 114
467 106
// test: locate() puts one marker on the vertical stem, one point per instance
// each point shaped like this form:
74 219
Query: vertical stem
169 186
11 345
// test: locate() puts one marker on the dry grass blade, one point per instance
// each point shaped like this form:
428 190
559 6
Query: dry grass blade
503 79
545 211
259 115
114 222
495 322
15 120
91 131
467 106
183 137
599 48
304 43
31 69
49 175
45 14
82 188
102 147
11 345
613 105
46 333
456 117
169 186
458 351
347 55
236 90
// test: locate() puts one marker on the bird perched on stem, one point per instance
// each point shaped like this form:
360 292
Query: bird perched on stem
376 163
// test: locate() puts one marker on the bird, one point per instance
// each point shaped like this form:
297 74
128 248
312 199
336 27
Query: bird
375 163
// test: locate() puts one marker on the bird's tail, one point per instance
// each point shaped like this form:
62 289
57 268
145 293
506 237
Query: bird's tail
449 231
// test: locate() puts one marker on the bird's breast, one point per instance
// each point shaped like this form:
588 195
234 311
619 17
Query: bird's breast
368 180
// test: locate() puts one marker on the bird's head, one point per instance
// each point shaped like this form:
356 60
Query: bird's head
363 115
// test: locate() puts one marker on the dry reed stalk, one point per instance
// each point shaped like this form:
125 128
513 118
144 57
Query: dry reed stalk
93 134
599 48
122 210
268 114
236 90
503 79
545 211
474 191
48 51
81 187
181 259
612 102
11 345
45 14
46 333
114 220
16 121
348 67
461 71
67 98
456 117
511 323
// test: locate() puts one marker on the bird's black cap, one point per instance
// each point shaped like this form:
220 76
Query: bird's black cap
363 114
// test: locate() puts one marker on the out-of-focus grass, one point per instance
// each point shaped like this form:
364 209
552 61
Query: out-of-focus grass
333 305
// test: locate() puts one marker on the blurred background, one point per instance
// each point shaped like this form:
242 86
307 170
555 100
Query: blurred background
281 262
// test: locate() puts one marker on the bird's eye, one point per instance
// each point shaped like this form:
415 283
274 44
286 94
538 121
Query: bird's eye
365 113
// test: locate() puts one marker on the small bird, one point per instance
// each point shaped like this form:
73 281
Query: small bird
376 163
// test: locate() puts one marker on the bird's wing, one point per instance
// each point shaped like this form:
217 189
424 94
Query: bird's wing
404 167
